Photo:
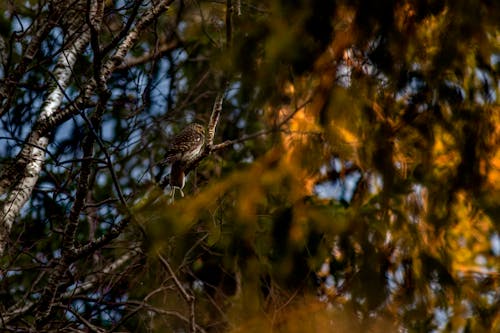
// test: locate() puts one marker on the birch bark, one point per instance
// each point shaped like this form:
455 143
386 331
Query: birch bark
34 150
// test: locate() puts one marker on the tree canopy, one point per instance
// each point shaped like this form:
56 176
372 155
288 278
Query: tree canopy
349 182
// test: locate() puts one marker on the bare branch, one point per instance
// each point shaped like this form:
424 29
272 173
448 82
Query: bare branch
50 119
34 151
94 16
126 28
90 283
21 309
229 23
89 325
94 20
40 31
146 57
247 137
149 307
238 7
214 118
83 100
188 297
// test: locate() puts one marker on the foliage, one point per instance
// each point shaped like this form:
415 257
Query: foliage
359 193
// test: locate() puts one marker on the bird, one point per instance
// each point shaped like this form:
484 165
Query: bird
184 148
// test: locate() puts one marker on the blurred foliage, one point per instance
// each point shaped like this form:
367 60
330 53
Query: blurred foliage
371 204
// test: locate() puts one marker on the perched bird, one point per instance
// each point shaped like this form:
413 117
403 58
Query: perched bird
183 149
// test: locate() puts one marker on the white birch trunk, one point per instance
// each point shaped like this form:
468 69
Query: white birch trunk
34 150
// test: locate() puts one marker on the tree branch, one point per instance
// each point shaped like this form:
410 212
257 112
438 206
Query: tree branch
247 137
146 57
90 283
176 314
84 99
229 23
214 118
188 297
40 29
89 325
34 151
49 119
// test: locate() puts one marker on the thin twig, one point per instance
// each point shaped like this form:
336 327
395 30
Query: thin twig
89 325
188 297
247 137
229 23
176 314
146 57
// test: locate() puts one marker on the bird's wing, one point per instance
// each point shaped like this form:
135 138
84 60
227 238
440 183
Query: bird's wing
180 144
176 148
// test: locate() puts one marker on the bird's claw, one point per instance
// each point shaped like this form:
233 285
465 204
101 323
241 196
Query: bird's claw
172 193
